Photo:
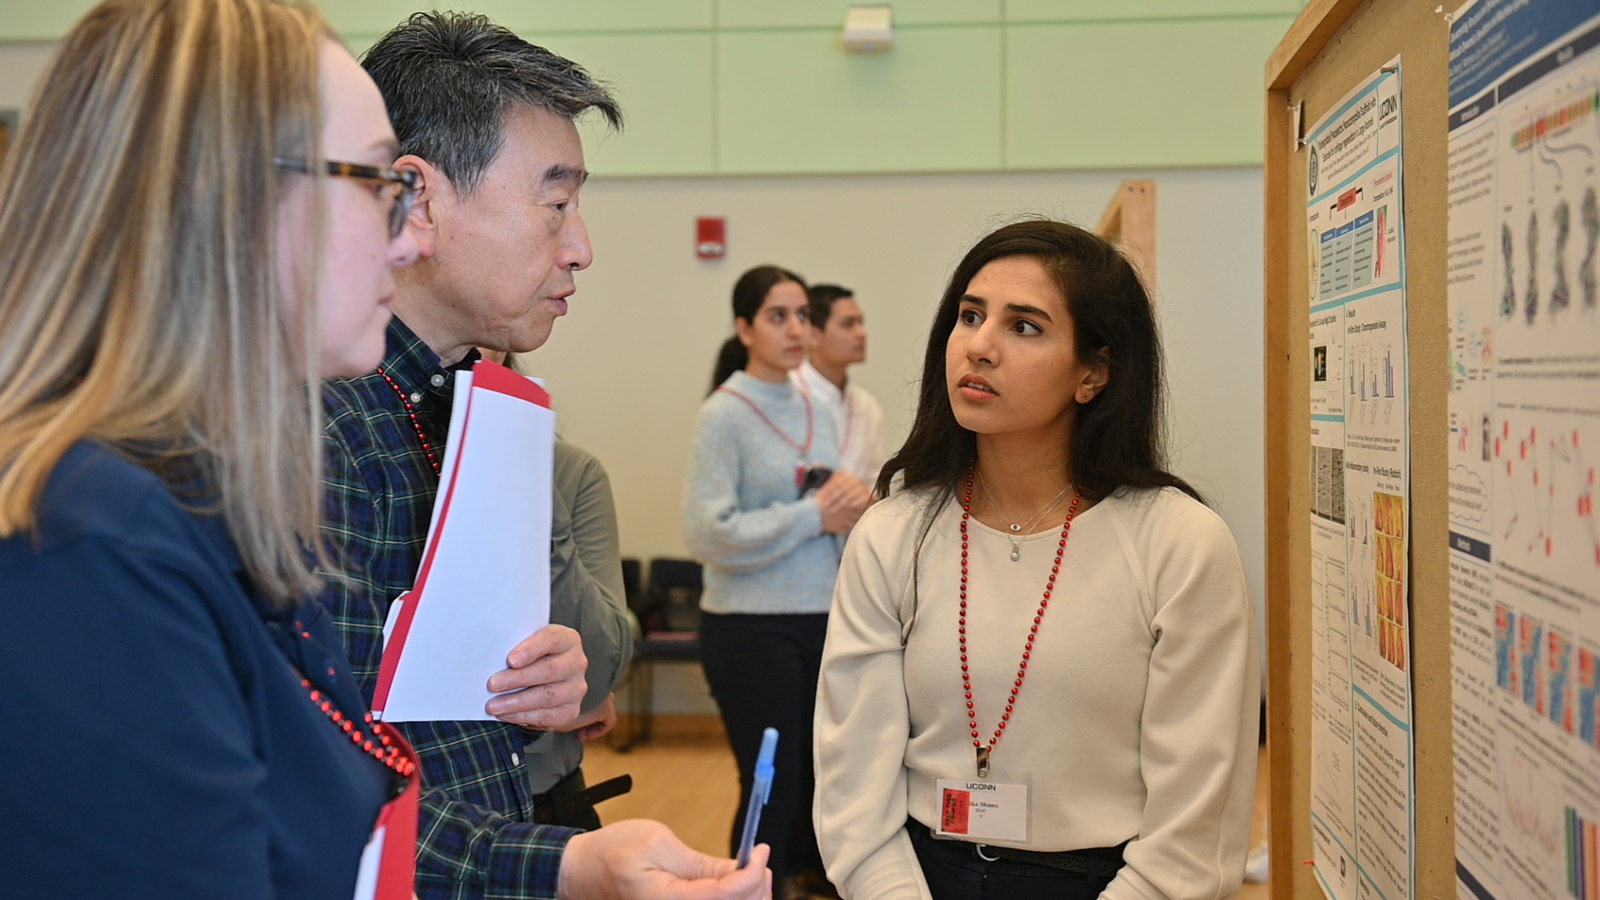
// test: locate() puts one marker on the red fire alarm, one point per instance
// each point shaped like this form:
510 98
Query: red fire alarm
710 237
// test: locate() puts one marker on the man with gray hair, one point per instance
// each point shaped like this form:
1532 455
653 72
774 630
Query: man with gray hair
485 122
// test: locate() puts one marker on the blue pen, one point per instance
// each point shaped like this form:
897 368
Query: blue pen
758 794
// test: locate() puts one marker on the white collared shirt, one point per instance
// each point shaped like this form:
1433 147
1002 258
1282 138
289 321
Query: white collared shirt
859 417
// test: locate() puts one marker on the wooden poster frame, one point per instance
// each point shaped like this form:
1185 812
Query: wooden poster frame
1129 221
1331 47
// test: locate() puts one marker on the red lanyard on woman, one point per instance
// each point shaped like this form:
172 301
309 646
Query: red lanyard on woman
804 449
395 832
388 864
983 752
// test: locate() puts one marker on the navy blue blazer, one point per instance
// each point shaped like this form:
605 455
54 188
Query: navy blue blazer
155 739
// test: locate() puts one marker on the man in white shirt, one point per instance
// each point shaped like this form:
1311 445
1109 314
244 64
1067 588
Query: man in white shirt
838 341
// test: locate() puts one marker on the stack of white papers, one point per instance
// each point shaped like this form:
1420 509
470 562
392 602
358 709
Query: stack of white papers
484 582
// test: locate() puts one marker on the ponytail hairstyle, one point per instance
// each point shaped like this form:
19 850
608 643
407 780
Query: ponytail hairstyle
732 357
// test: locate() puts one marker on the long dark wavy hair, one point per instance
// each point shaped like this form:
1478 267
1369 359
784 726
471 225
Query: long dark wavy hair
749 292
1117 441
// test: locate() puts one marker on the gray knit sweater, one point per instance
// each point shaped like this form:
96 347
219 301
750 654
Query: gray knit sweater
762 544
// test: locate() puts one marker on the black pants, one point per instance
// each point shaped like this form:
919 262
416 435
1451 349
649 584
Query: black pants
763 673
955 872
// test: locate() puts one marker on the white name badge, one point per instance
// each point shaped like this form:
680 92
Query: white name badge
982 810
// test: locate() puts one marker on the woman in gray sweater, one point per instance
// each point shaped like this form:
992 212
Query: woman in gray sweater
766 513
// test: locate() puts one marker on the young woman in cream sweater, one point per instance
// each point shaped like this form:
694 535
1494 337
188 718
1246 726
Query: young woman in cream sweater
1041 677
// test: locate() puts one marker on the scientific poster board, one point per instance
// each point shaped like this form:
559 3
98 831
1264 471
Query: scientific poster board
1524 374
1361 793
1333 49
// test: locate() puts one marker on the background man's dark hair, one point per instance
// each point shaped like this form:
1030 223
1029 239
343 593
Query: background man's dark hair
450 78
822 297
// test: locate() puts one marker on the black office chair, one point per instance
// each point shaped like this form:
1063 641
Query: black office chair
668 611
632 583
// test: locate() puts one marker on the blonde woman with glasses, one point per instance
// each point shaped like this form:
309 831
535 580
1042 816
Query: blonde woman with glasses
196 223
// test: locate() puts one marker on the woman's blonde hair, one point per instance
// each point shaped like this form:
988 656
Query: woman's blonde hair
141 305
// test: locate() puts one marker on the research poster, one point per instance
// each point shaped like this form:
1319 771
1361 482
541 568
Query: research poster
1362 784
1524 131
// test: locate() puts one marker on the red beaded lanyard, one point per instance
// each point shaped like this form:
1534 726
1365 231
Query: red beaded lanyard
416 425
378 744
1033 632
805 449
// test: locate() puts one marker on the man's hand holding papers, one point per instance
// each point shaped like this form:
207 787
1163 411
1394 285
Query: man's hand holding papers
546 672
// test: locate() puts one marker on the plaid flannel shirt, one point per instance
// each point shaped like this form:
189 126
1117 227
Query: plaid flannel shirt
476 838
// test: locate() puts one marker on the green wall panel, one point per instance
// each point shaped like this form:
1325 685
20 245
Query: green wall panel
370 17
1099 10
764 86
830 13
532 18
664 82
26 20
797 102
357 44
1134 95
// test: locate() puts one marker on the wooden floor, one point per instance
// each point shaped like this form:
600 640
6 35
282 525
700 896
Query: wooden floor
685 776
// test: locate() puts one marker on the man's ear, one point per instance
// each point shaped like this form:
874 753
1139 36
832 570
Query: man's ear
1096 380
434 193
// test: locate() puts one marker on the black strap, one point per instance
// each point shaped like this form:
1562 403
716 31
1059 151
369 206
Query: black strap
556 806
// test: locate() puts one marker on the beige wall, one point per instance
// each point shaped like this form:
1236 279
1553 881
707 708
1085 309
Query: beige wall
20 65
